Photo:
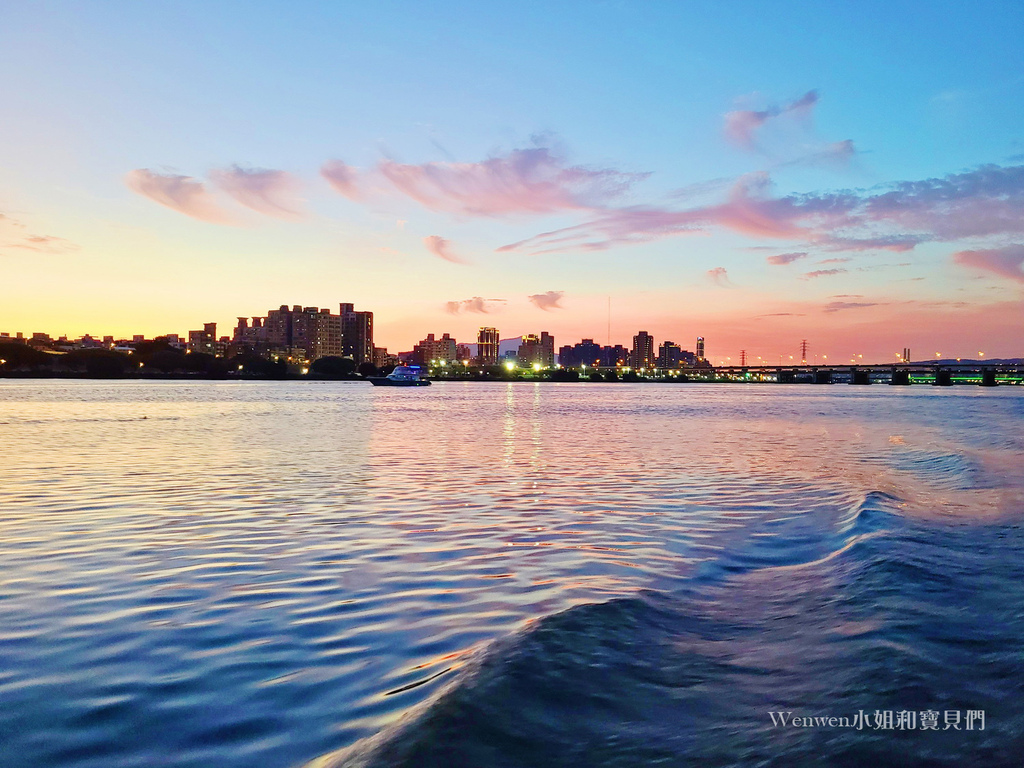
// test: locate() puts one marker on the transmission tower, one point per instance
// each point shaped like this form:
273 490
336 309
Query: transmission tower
743 358
803 352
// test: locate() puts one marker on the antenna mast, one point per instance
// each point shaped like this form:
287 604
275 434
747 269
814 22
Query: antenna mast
609 321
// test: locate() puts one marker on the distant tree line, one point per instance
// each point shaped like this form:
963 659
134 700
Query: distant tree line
157 359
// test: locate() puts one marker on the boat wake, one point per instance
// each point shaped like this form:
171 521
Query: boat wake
869 616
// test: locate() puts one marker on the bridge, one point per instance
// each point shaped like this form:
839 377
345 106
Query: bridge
941 373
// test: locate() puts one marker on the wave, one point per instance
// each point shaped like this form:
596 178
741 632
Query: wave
870 617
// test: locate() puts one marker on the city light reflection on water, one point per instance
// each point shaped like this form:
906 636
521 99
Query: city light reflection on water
266 572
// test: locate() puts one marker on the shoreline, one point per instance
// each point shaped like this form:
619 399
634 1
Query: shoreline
1016 378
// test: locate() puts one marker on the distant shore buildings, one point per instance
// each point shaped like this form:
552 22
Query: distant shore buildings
307 334
643 351
487 343
432 351
537 352
299 336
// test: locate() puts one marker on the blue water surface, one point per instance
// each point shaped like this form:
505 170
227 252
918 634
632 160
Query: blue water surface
276 574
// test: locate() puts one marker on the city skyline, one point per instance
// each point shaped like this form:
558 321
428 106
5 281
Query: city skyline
862 188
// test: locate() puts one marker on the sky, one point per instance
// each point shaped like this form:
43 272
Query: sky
849 173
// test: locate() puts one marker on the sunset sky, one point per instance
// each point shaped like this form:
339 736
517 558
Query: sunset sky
850 173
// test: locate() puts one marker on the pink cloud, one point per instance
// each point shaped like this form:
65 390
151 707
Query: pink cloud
787 258
720 277
1006 262
895 243
839 306
476 305
265 191
547 301
988 201
45 244
626 225
533 181
751 212
438 246
342 178
180 193
13 235
748 211
742 125
824 273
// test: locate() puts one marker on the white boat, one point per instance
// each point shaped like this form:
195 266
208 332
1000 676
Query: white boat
402 376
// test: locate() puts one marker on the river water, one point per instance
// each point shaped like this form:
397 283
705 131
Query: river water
316 573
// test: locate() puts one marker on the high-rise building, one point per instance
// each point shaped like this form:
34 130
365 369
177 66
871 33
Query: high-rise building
278 327
700 349
547 349
382 358
614 356
537 350
487 346
357 333
643 350
529 350
670 355
250 338
204 341
302 332
316 332
433 351
586 352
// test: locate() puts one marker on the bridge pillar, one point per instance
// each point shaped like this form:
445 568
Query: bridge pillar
823 377
900 377
988 378
943 378
859 377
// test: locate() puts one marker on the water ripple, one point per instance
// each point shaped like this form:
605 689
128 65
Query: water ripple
262 573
